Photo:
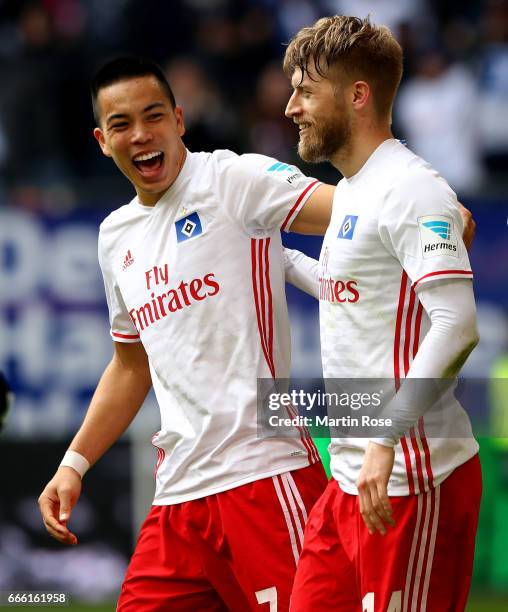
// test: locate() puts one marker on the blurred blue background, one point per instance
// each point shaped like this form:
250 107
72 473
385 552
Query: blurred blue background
223 60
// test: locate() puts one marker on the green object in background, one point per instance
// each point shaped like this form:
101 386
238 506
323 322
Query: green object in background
484 536
499 559
498 396
322 446
498 474
487 603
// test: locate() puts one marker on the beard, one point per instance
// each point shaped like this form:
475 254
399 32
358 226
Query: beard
323 140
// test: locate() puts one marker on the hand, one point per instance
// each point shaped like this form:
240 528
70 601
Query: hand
372 483
469 226
57 501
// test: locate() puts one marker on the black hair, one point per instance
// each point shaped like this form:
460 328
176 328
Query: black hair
123 68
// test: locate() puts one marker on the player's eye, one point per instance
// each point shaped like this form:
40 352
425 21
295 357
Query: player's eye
303 91
121 125
154 116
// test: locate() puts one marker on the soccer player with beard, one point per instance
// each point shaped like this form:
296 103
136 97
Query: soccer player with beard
395 529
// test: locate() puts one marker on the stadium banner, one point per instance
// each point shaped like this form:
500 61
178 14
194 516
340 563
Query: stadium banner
54 340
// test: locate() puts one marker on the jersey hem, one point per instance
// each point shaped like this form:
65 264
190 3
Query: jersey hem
170 501
125 338
351 490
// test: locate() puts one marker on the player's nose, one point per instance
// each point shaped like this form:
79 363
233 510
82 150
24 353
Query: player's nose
292 107
141 134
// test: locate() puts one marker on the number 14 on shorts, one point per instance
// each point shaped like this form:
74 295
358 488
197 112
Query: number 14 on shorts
394 605
269 596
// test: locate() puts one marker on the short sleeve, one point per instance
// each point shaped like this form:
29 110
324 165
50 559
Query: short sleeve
420 224
259 193
122 327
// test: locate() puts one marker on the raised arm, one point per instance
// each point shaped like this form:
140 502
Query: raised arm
116 401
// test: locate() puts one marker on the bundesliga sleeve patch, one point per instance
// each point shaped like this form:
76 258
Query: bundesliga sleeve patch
188 227
285 172
437 236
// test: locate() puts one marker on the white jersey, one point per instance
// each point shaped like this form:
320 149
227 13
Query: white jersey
199 280
395 226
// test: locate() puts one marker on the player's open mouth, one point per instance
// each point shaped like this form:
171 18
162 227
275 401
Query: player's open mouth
149 164
302 127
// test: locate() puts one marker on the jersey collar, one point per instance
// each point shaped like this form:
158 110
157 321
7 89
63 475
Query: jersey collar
381 150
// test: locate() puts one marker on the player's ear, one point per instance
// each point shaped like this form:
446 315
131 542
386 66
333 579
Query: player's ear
99 137
180 123
360 94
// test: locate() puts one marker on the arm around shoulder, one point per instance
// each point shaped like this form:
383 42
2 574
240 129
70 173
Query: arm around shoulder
314 217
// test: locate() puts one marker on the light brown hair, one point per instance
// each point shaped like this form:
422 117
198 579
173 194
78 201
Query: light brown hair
351 49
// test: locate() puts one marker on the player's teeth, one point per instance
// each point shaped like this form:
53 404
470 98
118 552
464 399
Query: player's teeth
147 156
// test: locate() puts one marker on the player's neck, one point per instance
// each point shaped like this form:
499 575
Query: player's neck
350 158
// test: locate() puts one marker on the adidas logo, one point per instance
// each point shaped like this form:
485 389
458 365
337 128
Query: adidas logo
128 260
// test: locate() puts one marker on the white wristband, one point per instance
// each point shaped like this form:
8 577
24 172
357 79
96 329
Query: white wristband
76 461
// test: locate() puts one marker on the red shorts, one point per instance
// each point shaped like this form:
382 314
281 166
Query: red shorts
423 563
236 550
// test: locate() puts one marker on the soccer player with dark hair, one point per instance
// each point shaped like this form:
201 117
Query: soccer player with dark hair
194 278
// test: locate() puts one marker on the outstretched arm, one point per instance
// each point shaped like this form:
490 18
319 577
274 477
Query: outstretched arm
116 401
301 271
